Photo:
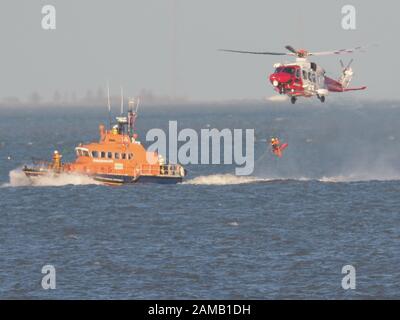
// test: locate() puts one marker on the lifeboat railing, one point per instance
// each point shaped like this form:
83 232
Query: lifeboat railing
164 170
41 164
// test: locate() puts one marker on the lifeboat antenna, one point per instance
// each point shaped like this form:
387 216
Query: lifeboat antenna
130 116
122 101
109 104
137 105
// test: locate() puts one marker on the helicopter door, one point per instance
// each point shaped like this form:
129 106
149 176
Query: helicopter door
297 80
312 79
304 75
306 80
298 74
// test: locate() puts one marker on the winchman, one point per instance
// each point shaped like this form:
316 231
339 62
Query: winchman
275 144
277 147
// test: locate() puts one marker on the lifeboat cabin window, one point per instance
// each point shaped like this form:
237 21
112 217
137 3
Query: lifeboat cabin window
109 155
82 153
116 155
130 156
95 154
102 154
123 156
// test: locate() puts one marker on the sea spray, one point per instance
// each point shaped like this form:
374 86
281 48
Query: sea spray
19 179
223 179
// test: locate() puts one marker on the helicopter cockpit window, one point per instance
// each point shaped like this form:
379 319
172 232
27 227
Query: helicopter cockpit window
279 69
289 70
298 73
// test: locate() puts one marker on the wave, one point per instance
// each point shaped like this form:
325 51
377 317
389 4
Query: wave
19 179
224 179
359 178
230 179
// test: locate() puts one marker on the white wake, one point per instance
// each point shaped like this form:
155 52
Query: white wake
19 179
230 179
224 179
359 178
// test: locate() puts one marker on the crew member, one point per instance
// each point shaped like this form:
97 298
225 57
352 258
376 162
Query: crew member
57 160
115 130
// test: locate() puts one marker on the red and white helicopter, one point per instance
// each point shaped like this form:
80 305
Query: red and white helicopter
304 78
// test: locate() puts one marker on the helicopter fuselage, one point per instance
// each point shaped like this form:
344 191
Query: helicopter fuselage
306 79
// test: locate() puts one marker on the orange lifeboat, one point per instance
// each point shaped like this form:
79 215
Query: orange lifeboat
117 158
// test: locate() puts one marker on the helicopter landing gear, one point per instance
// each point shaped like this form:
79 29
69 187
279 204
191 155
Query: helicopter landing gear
321 98
293 100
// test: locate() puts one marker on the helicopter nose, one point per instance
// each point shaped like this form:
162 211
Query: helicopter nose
274 81
279 78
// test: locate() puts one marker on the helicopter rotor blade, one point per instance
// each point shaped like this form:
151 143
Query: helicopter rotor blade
291 49
341 51
255 52
300 53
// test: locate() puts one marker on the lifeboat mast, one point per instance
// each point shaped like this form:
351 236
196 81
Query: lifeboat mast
126 124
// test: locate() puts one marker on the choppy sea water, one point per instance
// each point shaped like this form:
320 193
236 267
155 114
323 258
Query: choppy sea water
286 231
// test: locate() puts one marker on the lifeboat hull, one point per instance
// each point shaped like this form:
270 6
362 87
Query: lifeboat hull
108 179
34 172
122 179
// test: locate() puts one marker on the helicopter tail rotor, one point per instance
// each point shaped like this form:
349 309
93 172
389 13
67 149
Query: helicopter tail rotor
347 73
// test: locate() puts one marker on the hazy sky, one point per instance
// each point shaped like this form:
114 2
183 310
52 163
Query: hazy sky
171 45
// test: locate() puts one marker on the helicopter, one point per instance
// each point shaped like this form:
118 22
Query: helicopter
304 78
